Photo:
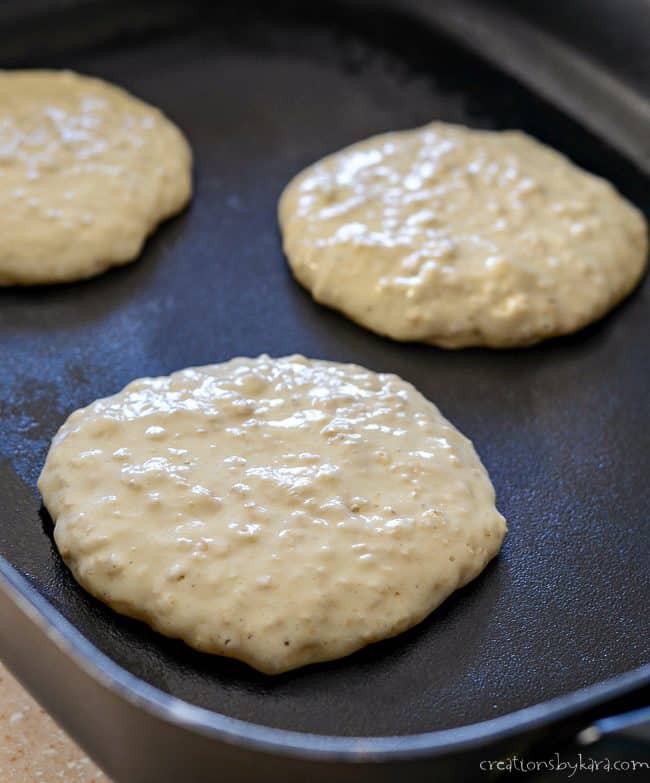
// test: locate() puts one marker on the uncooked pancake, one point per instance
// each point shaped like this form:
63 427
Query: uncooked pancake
278 511
87 172
459 237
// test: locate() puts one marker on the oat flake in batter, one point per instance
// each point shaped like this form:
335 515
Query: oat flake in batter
278 511
87 171
459 237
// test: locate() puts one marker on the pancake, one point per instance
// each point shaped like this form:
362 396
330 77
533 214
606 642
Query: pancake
87 172
277 511
458 237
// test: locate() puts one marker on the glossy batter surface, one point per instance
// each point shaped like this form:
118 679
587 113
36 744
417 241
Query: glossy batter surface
87 171
458 237
278 511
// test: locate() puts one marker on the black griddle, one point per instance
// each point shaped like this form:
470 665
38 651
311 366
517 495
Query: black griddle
262 90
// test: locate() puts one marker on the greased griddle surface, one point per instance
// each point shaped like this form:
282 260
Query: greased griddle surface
563 428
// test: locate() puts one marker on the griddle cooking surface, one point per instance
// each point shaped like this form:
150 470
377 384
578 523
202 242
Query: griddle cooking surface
562 428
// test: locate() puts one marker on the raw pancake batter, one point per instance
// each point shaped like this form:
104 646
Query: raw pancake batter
87 172
278 511
458 237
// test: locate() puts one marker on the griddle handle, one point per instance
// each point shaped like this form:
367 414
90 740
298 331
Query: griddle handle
621 718
626 715
634 725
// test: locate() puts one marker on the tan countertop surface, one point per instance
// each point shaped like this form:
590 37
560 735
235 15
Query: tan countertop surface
33 749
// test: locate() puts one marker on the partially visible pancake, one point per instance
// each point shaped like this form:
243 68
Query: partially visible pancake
87 172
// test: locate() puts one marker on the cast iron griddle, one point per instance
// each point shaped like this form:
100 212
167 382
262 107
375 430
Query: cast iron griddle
563 428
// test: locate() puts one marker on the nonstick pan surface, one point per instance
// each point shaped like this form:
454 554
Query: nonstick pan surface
563 428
